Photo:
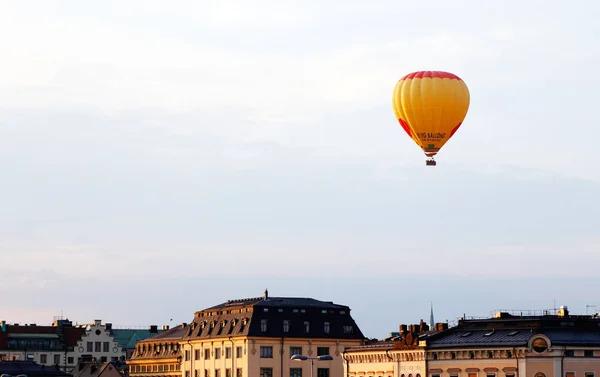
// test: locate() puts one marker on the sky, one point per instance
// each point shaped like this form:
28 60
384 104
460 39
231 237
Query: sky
161 157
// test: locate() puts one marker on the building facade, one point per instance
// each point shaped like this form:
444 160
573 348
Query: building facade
66 345
158 356
256 337
549 344
402 354
98 343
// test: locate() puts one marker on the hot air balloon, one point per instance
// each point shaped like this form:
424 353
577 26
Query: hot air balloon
430 106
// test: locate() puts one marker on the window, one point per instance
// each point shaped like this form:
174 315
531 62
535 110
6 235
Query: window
263 325
570 374
217 372
589 374
98 346
295 351
491 374
322 351
239 352
323 372
71 360
206 373
56 359
217 353
105 346
435 375
569 353
238 372
348 329
228 372
326 327
472 374
43 359
90 346
187 373
295 372
588 353
206 354
187 355
306 326
286 325
266 372
266 351
228 353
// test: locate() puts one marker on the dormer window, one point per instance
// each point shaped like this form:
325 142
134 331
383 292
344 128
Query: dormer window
263 325
306 326
326 327
286 325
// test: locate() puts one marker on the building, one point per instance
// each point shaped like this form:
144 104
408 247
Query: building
46 345
30 369
537 344
545 344
159 355
104 369
128 337
66 345
98 343
256 337
402 354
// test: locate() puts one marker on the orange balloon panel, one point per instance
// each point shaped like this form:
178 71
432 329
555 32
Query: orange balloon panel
430 106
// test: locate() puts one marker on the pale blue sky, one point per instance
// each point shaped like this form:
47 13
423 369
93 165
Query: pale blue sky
191 152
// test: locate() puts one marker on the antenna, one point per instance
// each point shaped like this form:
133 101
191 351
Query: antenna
588 306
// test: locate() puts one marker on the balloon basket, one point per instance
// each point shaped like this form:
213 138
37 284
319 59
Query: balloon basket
430 162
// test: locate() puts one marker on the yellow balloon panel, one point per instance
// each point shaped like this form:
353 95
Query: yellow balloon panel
431 106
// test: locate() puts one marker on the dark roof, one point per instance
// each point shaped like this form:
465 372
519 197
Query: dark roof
173 333
246 317
517 330
483 337
574 337
283 302
29 368
96 370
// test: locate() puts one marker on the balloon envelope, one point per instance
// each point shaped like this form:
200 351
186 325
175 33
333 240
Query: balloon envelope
430 106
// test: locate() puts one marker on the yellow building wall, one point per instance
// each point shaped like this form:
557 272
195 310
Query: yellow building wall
393 363
251 361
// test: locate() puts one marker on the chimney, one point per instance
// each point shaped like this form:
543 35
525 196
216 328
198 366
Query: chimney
165 327
266 294
153 329
3 326
97 322
441 326
402 329
563 311
423 326
183 324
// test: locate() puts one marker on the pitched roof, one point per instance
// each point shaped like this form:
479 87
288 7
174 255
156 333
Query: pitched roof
297 302
106 369
267 316
128 338
482 337
574 337
173 333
